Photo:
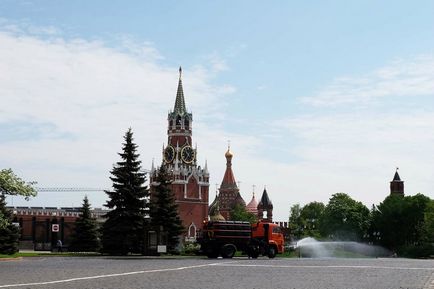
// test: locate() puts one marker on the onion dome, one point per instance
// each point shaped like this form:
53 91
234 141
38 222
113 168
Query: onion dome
212 208
252 206
228 153
239 200
228 181
217 217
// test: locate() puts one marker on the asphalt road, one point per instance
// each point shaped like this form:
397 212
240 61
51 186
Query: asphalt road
104 272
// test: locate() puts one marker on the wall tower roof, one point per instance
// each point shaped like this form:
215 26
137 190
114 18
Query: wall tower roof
179 107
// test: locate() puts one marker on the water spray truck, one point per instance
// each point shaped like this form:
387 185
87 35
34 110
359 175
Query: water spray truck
224 238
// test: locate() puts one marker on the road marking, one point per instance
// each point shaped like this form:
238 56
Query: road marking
108 275
229 264
324 266
430 283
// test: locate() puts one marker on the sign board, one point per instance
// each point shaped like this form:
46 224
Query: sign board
16 224
161 249
55 228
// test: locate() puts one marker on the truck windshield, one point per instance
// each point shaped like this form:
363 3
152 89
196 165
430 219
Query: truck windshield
276 230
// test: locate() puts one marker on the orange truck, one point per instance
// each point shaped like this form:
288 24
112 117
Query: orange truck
224 238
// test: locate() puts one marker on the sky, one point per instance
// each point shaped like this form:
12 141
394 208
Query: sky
316 97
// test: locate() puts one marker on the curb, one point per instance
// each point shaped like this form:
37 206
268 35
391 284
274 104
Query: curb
11 259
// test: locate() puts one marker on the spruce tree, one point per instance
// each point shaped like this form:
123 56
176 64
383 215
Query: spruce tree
164 211
9 233
85 236
124 228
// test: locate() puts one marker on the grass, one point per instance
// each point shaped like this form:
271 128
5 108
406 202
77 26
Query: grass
48 254
292 254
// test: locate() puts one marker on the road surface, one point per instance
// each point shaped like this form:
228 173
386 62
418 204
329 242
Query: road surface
107 272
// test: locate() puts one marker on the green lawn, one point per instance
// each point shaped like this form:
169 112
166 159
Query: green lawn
48 254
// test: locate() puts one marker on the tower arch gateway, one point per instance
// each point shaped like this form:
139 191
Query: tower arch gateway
190 182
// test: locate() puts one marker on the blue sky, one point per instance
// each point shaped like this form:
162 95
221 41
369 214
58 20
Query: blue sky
316 97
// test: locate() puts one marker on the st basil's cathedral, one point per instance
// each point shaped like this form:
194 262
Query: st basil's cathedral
229 196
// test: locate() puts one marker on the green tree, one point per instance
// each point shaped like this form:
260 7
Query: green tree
388 220
311 215
239 213
428 235
345 218
164 211
85 237
124 228
11 184
400 221
295 222
415 207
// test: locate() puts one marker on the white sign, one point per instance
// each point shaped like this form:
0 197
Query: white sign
55 228
161 249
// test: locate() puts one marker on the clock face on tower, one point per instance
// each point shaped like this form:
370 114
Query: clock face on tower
169 154
187 154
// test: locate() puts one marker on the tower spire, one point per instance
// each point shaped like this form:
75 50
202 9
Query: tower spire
228 178
180 102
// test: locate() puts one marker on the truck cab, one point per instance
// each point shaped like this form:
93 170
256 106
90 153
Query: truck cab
270 236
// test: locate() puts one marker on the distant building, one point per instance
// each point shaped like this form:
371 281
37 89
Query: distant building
41 227
396 185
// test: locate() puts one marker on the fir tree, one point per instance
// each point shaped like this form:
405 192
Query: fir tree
164 211
85 237
9 233
124 229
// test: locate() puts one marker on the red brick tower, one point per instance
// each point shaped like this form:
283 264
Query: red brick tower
396 185
190 182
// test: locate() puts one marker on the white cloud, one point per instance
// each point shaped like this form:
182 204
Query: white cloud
24 27
385 121
66 105
411 77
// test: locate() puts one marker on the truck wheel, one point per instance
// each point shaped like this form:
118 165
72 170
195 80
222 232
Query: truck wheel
272 252
253 252
212 255
255 255
228 251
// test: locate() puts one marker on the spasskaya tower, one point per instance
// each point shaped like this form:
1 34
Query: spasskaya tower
190 182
